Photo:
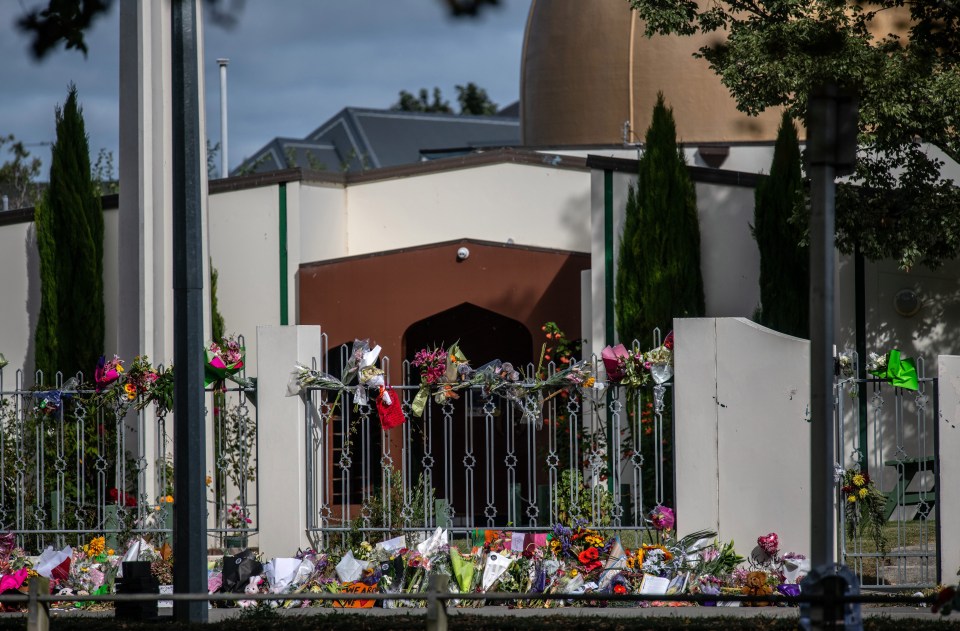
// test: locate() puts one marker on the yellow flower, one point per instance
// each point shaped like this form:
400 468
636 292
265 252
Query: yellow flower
863 493
589 382
96 546
852 499
573 572
111 551
859 480
131 391
119 367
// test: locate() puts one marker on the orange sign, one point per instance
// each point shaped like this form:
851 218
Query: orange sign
356 588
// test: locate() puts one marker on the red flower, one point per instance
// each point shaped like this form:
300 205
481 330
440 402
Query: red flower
589 555
619 589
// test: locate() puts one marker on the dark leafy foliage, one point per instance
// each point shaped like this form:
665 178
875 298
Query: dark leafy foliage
658 274
70 236
909 93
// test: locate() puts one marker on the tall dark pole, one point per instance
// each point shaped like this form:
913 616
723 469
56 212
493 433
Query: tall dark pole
823 134
832 148
190 527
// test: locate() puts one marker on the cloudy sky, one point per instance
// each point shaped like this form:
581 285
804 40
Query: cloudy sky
293 64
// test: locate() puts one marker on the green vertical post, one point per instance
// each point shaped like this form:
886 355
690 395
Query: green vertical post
608 301
284 301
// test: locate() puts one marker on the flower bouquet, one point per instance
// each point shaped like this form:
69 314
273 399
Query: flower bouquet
442 372
864 507
359 359
222 362
659 361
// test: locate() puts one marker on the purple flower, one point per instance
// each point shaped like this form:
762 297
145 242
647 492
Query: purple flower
662 518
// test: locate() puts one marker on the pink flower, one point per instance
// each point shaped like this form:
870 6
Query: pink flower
614 360
769 544
662 518
710 554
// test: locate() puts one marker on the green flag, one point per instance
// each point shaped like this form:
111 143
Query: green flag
899 372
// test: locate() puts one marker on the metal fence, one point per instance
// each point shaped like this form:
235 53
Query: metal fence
483 461
896 442
71 467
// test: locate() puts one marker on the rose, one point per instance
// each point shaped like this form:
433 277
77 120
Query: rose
769 544
619 589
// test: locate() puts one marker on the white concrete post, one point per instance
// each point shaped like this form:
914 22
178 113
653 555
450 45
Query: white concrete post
949 372
742 440
281 434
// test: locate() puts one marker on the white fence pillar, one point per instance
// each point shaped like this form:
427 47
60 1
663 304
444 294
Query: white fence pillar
949 421
742 439
281 434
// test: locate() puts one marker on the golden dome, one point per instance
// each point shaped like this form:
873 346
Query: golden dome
587 68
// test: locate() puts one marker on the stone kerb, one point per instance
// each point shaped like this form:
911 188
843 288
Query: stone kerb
282 516
742 436
949 498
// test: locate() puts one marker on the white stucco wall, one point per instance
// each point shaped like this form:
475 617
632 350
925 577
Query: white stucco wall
244 247
931 332
20 291
532 205
323 221
729 258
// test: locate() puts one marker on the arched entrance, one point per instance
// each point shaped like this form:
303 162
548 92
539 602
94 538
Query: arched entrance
473 452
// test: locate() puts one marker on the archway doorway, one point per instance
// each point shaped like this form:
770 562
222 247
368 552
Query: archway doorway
474 452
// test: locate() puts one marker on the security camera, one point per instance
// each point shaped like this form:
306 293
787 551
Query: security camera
462 254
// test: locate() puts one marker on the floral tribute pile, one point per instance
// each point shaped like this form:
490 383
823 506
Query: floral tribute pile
569 559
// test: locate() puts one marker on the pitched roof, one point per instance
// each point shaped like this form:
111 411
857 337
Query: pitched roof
357 139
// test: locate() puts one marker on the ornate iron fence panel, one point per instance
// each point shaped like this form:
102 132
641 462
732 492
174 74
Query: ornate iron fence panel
481 461
71 468
896 445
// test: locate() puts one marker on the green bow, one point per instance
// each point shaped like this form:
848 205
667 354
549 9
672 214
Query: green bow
901 373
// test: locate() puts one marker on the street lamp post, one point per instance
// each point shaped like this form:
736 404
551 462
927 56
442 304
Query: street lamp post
189 530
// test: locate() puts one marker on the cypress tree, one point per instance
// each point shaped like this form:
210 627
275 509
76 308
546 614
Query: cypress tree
45 337
217 325
76 226
658 276
784 263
